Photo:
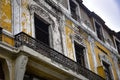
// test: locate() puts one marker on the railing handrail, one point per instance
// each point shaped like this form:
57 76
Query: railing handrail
75 67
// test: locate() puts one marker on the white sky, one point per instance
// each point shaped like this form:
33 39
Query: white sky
108 10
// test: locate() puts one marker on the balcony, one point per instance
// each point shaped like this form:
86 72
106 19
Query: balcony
24 39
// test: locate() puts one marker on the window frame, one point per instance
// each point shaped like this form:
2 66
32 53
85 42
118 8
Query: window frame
77 11
79 40
43 21
109 70
50 27
81 54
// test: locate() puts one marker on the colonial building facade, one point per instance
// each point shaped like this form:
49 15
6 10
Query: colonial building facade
56 40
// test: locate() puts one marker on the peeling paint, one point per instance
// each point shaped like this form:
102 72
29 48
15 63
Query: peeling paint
69 41
6 15
8 40
108 56
25 20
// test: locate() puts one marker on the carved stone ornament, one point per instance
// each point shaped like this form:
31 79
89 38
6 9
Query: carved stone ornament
39 11
77 38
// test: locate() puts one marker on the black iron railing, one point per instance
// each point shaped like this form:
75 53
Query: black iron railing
0 34
24 39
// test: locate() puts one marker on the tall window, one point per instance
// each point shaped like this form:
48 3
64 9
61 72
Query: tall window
79 51
107 71
41 30
99 31
118 46
73 8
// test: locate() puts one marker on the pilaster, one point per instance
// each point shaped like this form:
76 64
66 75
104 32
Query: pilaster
20 67
92 46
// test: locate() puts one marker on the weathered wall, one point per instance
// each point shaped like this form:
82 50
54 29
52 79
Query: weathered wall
7 39
108 58
69 43
108 38
90 56
65 3
6 15
6 20
25 17
86 19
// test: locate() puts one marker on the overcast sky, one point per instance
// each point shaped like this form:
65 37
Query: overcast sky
108 10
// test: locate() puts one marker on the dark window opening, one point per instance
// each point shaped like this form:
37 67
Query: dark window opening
107 71
79 51
99 31
1 72
41 30
32 77
118 46
73 8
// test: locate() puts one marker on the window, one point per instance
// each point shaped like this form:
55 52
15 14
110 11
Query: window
41 30
99 31
107 71
79 51
118 46
73 8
